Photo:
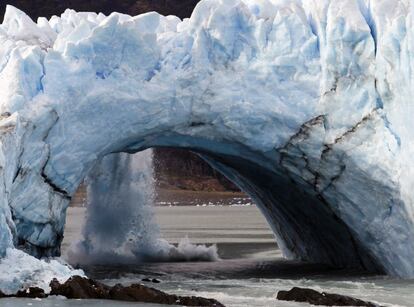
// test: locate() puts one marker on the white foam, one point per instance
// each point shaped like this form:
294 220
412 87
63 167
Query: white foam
120 226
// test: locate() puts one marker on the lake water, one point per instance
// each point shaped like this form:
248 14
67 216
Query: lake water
250 273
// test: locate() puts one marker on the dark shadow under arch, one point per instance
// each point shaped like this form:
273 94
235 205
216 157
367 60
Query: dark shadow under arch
305 227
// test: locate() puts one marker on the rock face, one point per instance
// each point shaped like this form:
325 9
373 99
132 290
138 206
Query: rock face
83 288
78 287
317 298
183 170
305 106
32 292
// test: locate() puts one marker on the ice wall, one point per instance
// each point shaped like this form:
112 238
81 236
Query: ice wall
306 105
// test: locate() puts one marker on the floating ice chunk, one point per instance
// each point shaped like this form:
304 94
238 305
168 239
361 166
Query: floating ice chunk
19 271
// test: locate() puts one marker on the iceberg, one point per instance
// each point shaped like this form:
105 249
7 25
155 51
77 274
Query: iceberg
305 105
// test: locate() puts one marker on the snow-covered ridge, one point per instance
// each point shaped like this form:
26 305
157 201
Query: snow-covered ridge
306 105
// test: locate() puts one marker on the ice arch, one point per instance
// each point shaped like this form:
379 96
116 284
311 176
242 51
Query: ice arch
306 105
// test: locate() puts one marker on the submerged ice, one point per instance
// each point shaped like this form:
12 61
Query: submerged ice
306 105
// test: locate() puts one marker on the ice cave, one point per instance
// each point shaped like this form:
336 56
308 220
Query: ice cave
305 105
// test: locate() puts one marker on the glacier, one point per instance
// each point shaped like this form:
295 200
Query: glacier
305 105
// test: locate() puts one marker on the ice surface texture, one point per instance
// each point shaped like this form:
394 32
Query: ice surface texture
306 105
19 270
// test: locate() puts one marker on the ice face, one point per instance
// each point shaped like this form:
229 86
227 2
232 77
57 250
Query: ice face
306 105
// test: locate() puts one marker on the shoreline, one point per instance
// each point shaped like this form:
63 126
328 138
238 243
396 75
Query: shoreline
181 197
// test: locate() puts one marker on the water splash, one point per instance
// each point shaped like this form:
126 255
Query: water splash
120 226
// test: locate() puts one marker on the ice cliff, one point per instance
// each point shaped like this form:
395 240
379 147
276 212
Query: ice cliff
305 105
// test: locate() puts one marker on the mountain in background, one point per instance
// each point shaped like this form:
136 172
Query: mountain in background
48 8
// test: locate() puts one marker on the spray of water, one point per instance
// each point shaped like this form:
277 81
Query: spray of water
120 227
